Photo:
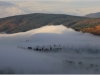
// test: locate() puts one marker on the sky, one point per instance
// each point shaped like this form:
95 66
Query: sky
71 7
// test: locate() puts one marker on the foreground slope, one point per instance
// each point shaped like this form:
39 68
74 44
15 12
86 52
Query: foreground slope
27 22
22 60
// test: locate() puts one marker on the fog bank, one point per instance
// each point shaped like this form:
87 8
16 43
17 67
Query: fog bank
76 46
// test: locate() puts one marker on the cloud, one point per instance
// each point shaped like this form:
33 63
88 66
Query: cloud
65 6
67 0
2 3
22 60
45 7
51 6
8 9
56 6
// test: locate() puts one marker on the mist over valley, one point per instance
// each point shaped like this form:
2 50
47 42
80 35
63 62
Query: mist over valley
76 55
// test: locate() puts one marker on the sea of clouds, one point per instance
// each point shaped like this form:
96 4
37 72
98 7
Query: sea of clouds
22 60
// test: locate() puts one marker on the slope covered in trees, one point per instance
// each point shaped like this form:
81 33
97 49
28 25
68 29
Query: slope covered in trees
94 30
22 23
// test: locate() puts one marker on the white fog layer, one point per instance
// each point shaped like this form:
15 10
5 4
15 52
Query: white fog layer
80 52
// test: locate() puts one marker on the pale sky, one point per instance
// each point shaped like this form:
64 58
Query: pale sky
71 7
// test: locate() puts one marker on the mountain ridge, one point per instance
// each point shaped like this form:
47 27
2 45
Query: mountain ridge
93 15
22 23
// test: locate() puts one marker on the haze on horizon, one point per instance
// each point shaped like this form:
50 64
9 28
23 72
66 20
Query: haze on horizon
71 7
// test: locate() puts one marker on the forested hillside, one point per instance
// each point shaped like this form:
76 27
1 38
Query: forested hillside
22 23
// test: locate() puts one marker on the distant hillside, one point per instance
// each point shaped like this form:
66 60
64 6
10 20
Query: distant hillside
93 15
22 23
